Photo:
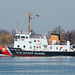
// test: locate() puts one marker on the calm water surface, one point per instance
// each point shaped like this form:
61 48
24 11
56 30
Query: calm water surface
58 65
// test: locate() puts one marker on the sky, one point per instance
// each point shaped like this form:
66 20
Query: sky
53 13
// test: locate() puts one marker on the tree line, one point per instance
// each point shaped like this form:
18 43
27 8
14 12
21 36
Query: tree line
7 38
64 35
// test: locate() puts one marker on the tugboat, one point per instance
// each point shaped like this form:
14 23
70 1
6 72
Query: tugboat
32 46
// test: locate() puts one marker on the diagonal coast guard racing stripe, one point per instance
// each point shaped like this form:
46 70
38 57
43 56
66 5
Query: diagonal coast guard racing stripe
9 50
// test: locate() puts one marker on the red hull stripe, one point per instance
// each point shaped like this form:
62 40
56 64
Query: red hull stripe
5 51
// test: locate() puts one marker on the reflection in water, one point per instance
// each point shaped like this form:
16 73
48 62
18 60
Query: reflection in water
37 65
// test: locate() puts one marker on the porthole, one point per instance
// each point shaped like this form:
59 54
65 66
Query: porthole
18 46
50 47
34 40
45 46
34 46
57 48
24 46
39 46
73 46
30 47
26 37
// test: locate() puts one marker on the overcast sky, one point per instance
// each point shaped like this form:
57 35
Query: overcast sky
52 13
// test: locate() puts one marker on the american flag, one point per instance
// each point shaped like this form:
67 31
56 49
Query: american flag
37 15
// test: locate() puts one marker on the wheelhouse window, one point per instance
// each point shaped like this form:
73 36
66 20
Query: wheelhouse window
30 42
17 37
22 38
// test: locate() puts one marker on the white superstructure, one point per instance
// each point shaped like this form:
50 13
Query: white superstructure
27 43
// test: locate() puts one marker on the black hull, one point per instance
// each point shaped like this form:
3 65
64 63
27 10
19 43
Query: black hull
20 52
41 53
1 52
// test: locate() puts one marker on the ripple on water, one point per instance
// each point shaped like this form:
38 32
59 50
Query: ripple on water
37 65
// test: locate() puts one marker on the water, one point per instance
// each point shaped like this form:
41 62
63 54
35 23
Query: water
58 65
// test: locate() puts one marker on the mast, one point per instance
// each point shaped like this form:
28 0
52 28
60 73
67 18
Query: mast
29 14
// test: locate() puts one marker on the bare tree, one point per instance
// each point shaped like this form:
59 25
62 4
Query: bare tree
58 30
73 36
13 32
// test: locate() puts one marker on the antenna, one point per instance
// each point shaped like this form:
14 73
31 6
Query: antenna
17 30
17 26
